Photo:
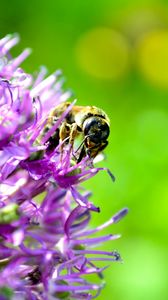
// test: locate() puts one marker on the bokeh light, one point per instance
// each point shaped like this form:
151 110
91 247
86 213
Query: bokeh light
138 19
152 57
103 53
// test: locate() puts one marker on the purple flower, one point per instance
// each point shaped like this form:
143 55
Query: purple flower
46 247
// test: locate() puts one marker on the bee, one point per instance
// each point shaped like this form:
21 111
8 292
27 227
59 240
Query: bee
90 122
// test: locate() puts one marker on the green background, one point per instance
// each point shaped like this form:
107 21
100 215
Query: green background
114 54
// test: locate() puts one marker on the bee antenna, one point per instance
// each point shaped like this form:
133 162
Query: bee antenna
111 175
83 142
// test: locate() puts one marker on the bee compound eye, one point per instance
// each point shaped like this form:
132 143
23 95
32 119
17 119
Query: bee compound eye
105 130
96 128
89 125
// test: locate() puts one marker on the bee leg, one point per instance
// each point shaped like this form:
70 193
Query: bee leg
68 130
73 133
82 154
64 133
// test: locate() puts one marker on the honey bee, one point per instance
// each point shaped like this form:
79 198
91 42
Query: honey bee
90 122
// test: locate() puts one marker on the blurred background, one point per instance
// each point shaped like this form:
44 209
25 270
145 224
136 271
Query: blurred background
114 54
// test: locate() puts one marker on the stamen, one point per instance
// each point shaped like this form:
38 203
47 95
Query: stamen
8 42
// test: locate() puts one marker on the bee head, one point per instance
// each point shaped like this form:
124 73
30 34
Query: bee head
97 129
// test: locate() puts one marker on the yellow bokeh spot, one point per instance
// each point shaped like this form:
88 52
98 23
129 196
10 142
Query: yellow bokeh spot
152 57
103 53
138 18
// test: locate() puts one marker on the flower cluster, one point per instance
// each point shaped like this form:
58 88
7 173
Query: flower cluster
46 247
